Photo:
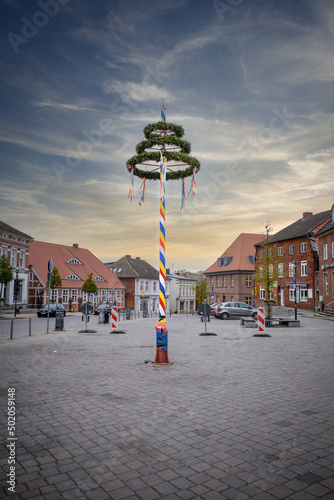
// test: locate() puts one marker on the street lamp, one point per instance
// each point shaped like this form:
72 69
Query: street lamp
16 290
294 281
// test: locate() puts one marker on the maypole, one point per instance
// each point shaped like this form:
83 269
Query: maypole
163 143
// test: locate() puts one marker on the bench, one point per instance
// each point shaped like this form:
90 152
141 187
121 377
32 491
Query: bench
289 322
249 320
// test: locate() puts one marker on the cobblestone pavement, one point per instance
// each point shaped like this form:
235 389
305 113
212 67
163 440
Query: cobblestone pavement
234 416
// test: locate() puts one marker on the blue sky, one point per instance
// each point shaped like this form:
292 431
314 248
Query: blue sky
250 81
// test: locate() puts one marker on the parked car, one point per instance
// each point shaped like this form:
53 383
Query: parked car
103 307
54 308
214 307
234 309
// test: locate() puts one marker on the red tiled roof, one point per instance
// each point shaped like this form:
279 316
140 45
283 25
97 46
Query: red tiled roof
240 249
40 253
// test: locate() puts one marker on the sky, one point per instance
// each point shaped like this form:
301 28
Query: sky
250 81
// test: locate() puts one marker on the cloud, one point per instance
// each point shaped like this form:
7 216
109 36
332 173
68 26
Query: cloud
137 91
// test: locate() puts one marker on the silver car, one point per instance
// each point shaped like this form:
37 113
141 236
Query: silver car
235 309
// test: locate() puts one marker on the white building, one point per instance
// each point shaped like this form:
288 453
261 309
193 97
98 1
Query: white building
182 294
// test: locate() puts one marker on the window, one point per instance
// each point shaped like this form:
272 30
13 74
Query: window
270 252
232 280
248 280
22 262
333 249
141 287
65 296
74 295
303 268
280 270
73 277
4 251
232 299
31 276
325 283
224 280
303 294
98 278
291 249
262 292
291 269
280 251
154 286
73 261
146 286
13 257
325 253
54 295
303 247
261 272
261 254
104 294
270 270
291 294
248 301
218 280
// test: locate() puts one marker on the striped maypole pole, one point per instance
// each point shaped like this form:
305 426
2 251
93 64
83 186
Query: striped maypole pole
161 329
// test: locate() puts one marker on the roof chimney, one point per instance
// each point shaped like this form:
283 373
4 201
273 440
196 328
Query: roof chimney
137 258
128 256
307 214
76 246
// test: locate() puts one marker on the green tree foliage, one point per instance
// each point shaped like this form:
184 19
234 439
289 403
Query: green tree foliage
89 285
266 266
202 291
55 279
6 274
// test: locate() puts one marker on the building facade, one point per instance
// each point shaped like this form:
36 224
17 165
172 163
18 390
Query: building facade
295 260
182 293
324 278
231 277
141 282
15 244
74 265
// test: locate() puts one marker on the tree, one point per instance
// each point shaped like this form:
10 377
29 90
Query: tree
266 273
55 279
201 288
6 276
89 285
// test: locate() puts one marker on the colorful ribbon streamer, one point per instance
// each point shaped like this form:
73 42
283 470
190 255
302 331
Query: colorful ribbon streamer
183 196
132 174
143 192
192 185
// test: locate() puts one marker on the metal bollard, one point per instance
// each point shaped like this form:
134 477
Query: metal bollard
11 327
29 327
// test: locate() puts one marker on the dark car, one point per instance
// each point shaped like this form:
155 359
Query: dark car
103 307
235 309
54 308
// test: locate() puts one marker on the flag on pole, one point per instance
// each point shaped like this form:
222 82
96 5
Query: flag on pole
163 112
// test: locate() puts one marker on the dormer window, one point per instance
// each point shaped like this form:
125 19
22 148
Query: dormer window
74 261
98 278
73 277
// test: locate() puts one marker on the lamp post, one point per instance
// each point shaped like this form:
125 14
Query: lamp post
16 290
294 281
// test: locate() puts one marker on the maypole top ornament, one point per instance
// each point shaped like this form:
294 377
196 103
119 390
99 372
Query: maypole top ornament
163 138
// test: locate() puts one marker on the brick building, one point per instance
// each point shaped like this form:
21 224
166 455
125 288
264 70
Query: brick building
297 245
182 293
324 278
141 281
15 245
230 278
74 265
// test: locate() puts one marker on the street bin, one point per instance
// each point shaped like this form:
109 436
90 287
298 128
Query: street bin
106 317
128 314
320 306
59 326
101 317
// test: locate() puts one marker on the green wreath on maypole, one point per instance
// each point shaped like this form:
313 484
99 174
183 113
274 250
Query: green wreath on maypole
166 138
